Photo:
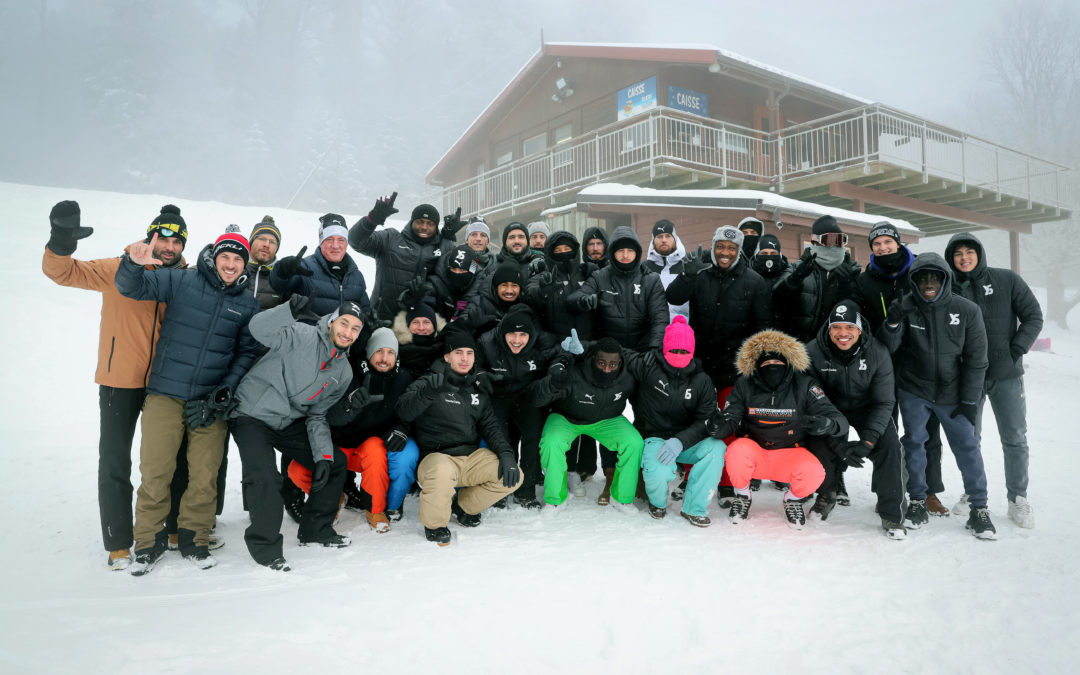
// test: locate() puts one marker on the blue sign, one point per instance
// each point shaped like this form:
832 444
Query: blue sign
637 98
688 100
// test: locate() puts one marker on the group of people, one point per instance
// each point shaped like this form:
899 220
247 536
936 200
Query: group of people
482 377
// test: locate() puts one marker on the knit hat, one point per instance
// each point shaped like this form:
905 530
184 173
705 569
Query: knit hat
425 211
332 225
824 225
169 223
728 233
538 226
753 223
478 225
506 272
510 228
518 320
232 241
380 338
883 229
457 339
679 335
463 258
266 226
663 226
846 312
423 309
769 241
348 307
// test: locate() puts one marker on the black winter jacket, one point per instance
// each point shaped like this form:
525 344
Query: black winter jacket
670 402
860 381
807 305
586 400
594 233
205 339
400 256
549 300
259 286
875 288
324 289
516 373
939 348
348 427
1010 312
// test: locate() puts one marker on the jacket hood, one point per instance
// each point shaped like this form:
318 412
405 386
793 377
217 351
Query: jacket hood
595 232
623 237
771 341
562 237
971 241
931 261
404 335
678 254
206 267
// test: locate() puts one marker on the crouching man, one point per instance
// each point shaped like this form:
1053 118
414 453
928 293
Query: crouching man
775 407
283 404
449 415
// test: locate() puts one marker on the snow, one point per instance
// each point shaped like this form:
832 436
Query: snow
583 591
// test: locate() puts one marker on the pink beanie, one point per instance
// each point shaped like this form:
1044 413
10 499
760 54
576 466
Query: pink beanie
678 335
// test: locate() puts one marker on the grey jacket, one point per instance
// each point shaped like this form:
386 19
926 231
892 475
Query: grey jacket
302 375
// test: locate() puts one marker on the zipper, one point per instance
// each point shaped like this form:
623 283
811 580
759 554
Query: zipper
112 350
153 345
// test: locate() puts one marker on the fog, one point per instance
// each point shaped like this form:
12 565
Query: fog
327 104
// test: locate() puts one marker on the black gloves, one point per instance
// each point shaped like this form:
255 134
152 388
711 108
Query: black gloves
803 269
855 452
486 381
321 475
395 440
65 229
719 425
292 265
452 223
536 266
559 374
969 410
361 397
414 292
817 425
695 263
383 209
894 314
509 472
201 412
298 305
431 383
589 302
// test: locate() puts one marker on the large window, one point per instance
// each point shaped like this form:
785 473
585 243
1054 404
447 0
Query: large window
535 144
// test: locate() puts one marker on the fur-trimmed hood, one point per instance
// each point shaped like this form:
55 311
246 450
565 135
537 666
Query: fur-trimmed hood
771 341
404 335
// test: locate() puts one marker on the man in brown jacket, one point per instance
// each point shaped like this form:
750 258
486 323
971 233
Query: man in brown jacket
129 331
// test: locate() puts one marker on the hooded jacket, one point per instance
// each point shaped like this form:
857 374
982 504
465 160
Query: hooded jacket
129 328
416 353
771 417
586 400
259 286
548 300
302 376
1010 312
876 288
400 256
632 307
670 402
594 233
323 287
515 373
522 260
350 427
861 381
205 339
807 305
668 267
939 348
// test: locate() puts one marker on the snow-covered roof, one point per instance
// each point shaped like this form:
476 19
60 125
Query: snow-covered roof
732 199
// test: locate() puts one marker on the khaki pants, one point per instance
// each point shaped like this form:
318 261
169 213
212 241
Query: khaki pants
478 476
162 430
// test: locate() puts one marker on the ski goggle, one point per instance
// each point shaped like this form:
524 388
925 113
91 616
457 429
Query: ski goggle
830 239
167 230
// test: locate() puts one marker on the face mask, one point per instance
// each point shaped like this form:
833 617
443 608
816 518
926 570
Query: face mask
678 360
767 265
773 374
602 378
828 257
459 282
749 244
890 262
565 256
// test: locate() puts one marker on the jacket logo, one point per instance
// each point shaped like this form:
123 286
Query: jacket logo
459 256
364 367
438 253
954 319
589 396
618 395
475 399
862 364
661 383
688 395
532 366
637 289
988 289
817 392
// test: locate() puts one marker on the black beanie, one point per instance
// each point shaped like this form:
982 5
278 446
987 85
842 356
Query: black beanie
883 229
423 309
846 311
663 226
507 272
753 224
510 228
518 319
169 223
425 211
266 226
824 225
463 258
769 241
765 356
348 307
457 339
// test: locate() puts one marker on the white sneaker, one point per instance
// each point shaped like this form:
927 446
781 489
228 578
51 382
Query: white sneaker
961 507
574 484
619 507
1021 513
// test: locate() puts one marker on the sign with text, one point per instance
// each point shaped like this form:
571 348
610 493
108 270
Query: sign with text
637 98
688 100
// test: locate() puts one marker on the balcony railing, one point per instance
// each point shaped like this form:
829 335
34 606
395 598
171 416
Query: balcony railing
849 139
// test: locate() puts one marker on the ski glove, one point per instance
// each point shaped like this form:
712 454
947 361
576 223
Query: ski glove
589 302
298 305
845 274
559 374
537 266
969 410
895 313
383 209
804 269
198 413
452 223
509 472
395 440
855 452
817 425
669 450
695 263
64 222
321 475
433 383
719 424
361 397
573 344
292 265
486 381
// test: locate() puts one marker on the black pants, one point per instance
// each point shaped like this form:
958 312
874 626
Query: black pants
582 456
889 479
262 485
119 410
523 422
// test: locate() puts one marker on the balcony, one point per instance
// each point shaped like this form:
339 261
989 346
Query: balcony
871 146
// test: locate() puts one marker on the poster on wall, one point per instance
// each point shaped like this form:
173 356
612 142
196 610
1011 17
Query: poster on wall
688 100
637 98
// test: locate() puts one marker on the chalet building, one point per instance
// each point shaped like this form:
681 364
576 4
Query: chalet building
683 119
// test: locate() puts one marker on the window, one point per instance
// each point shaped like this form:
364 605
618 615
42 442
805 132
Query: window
535 144
504 159
563 133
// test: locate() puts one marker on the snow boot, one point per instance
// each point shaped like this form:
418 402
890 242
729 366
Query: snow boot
200 557
526 498
657 512
1021 513
893 530
574 484
783 487
755 484
394 515
119 559
502 503
916 515
740 508
439 535
724 495
466 519
979 523
696 521
293 498
335 540
605 495
841 491
146 558
934 506
680 491
823 506
961 507
278 565
793 511
378 521
356 499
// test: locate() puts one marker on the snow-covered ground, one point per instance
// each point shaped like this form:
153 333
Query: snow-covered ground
590 590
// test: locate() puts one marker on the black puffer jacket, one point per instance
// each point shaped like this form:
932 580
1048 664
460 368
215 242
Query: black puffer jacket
670 402
806 306
726 307
548 300
326 291
594 233
586 400
772 417
453 418
876 288
522 260
259 286
1011 314
348 427
205 339
939 349
859 380
515 372
400 256
632 305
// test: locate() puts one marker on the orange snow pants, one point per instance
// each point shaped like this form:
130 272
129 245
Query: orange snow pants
368 460
746 459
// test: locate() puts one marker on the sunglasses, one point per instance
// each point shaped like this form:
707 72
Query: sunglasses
830 239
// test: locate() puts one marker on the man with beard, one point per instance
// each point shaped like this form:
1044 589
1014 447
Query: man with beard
488 306
666 251
538 234
515 250
938 341
265 240
594 242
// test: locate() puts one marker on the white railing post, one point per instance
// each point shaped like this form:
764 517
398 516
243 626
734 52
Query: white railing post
925 171
779 161
866 144
963 164
723 156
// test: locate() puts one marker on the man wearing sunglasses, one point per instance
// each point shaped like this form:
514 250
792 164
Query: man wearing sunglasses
824 275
